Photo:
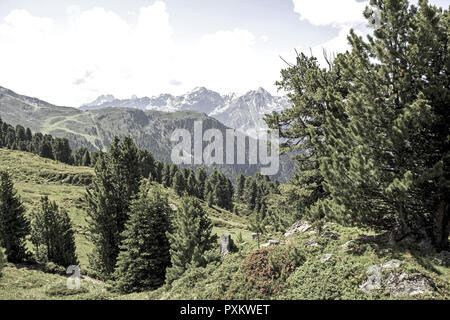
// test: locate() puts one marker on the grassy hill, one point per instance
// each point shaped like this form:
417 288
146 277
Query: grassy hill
331 262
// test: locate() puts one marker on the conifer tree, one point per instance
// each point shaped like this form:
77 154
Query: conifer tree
116 182
191 238
166 178
144 255
240 187
201 182
179 183
191 185
86 160
14 226
52 234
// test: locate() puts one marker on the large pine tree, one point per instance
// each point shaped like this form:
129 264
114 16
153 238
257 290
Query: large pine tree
116 182
190 238
14 226
144 256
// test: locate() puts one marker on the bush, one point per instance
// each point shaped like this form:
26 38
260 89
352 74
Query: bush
264 272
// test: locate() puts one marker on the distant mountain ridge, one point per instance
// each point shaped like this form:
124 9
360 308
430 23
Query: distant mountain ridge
241 112
96 128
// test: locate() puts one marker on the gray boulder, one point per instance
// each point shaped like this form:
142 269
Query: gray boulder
326 257
300 226
403 284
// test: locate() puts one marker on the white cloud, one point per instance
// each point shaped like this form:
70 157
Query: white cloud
331 12
341 15
97 51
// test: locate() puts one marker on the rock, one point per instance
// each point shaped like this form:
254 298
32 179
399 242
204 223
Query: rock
311 243
396 283
373 282
173 207
265 245
330 235
326 257
274 242
298 227
403 284
391 264
254 236
225 244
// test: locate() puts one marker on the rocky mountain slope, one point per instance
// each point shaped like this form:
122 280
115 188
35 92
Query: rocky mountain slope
242 112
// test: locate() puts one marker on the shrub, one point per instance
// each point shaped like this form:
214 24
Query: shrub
264 272
336 278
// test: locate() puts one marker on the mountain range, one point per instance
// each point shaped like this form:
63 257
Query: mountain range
241 112
95 128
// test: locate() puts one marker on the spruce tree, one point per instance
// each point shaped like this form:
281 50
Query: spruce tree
191 185
144 255
190 239
116 182
201 182
179 183
14 226
240 187
52 234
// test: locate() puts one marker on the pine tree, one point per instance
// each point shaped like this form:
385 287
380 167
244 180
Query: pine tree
201 182
61 150
52 234
116 182
240 187
251 193
387 165
146 163
257 225
191 185
46 149
166 178
191 238
179 183
14 226
86 160
144 255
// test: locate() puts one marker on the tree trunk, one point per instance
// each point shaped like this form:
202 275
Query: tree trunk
401 229
441 225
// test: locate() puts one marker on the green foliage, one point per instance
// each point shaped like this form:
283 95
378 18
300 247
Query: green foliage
179 183
52 234
190 239
144 255
372 129
14 226
117 178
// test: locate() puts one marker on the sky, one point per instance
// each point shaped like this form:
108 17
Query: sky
68 52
